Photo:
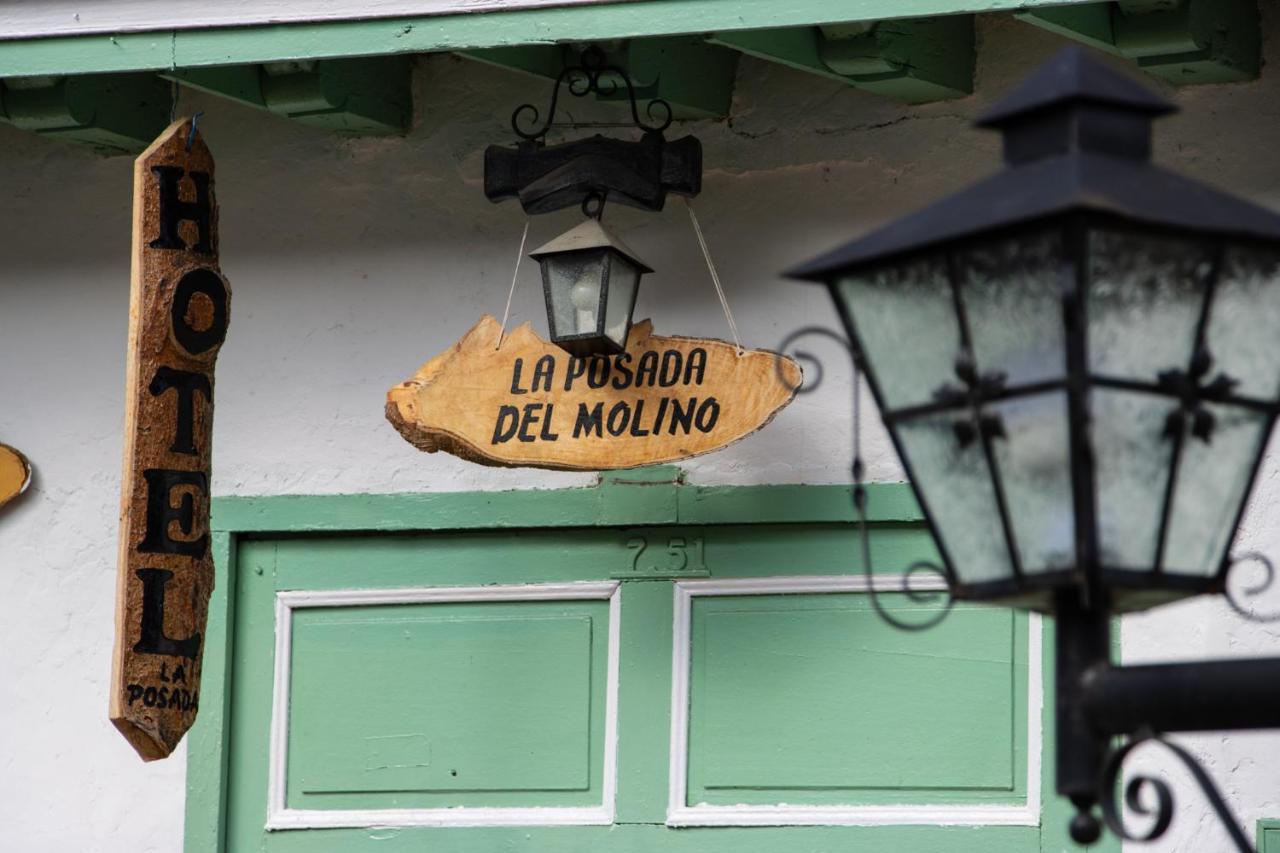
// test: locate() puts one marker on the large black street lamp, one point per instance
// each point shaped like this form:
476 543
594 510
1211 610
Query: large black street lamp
1078 361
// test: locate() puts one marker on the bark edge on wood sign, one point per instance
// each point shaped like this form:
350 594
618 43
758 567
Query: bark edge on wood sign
530 404
178 313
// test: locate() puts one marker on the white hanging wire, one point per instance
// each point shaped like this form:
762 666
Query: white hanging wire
515 275
715 277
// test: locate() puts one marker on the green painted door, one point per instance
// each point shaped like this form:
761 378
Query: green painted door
687 687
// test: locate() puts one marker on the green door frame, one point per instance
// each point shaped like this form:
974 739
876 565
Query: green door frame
644 497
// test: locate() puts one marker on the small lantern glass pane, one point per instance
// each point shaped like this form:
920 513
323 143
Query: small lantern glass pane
624 280
574 282
1243 334
1131 468
1144 302
1212 478
1144 299
1010 292
1242 340
957 486
1012 298
906 324
1034 460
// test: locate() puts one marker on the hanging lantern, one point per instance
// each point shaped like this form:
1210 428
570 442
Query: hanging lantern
589 279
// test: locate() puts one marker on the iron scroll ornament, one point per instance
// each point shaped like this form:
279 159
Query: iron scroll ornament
634 172
1162 812
592 76
913 593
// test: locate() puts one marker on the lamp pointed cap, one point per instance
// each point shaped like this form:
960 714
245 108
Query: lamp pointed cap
1074 76
590 234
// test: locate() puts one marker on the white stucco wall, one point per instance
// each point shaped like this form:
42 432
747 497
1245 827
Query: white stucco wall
354 261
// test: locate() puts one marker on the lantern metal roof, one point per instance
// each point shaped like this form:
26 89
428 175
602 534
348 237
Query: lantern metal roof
1077 139
590 234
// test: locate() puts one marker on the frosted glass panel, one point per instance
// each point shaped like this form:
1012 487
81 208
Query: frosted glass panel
905 319
623 278
957 486
1145 295
1012 293
1244 325
1211 484
1035 468
574 281
1131 468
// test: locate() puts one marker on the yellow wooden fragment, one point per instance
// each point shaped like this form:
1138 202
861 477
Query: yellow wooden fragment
15 474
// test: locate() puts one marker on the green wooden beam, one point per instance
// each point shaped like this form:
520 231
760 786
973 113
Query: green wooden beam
178 48
1182 41
696 78
368 95
112 113
618 500
914 60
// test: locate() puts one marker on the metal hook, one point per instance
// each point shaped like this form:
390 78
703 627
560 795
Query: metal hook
593 205
191 137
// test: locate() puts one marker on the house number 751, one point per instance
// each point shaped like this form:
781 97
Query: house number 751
672 556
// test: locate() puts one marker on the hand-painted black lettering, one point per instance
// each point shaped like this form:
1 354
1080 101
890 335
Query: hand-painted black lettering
577 367
174 210
647 369
507 424
589 421
624 375
547 434
532 412
161 483
619 417
670 373
682 418
598 374
199 340
186 384
153 639
542 372
708 414
696 367
515 377
635 421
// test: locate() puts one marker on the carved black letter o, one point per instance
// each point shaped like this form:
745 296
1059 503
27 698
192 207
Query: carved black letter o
198 341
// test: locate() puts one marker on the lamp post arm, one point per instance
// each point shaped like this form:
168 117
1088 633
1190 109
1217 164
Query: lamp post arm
1182 697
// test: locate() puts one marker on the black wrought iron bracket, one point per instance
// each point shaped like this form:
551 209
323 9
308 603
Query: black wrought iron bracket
639 173
1098 702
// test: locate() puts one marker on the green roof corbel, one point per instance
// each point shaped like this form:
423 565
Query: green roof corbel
1182 41
696 78
112 113
915 60
366 95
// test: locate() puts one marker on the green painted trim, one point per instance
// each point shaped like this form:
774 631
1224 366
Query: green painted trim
112 113
275 43
615 502
207 750
915 61
1195 41
366 95
637 497
1264 826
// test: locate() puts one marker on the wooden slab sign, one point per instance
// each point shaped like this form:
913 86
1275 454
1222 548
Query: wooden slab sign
529 403
178 314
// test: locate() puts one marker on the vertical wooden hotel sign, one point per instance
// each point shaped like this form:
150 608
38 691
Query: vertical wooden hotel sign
178 316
